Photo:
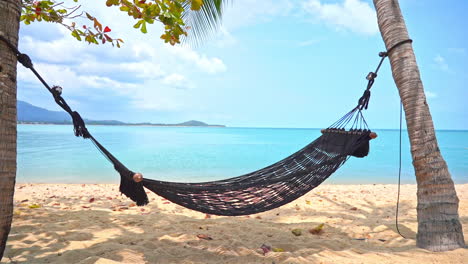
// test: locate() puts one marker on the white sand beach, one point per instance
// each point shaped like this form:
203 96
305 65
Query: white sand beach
93 223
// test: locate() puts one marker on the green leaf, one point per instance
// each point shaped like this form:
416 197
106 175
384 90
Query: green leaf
76 35
196 5
143 27
138 24
297 231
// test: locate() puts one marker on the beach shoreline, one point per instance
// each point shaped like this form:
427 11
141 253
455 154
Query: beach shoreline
93 223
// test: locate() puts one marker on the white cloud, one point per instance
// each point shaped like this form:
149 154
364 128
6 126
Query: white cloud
178 81
458 51
203 62
309 42
242 13
353 15
151 74
430 94
441 63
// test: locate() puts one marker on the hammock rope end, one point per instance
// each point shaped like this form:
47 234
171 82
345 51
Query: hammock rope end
131 185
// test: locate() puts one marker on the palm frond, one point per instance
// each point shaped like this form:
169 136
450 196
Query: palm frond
204 22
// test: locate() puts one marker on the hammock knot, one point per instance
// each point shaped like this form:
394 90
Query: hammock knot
79 126
383 54
371 76
57 90
25 60
364 100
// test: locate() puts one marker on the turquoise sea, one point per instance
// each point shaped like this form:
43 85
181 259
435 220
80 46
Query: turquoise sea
52 154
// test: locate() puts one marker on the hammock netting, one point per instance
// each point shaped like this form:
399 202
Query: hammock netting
255 192
270 187
264 189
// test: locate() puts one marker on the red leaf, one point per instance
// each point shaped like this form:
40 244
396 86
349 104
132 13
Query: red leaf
265 249
107 29
91 200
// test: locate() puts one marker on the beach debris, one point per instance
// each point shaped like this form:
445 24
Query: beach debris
23 201
119 208
297 207
277 250
132 205
353 208
265 249
297 231
34 206
85 207
53 196
317 230
55 204
207 216
308 202
382 240
91 200
258 217
205 237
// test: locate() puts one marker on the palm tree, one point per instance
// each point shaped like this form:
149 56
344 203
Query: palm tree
439 227
205 21
9 26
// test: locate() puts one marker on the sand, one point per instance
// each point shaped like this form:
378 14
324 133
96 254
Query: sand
76 223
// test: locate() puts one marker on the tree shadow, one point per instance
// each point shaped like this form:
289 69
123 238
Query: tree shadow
168 233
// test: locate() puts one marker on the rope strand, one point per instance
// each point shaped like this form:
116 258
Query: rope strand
399 176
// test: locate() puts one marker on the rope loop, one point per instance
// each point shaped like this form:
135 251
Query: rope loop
399 44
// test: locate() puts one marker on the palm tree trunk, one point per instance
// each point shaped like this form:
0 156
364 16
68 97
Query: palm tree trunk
9 27
439 227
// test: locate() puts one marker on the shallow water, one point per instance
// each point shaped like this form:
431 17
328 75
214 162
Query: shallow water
51 153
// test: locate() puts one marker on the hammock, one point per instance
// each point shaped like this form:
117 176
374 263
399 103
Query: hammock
255 192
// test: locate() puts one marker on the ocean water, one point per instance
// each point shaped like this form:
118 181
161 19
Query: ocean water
52 154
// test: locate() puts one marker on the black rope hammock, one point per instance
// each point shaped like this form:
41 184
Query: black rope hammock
255 192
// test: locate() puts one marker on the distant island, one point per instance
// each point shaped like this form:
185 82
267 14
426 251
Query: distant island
30 114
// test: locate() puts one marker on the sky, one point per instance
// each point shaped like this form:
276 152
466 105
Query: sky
272 63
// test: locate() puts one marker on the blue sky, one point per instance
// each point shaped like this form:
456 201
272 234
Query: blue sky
273 63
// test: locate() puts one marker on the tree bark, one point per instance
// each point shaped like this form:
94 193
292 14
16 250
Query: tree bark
439 227
9 26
